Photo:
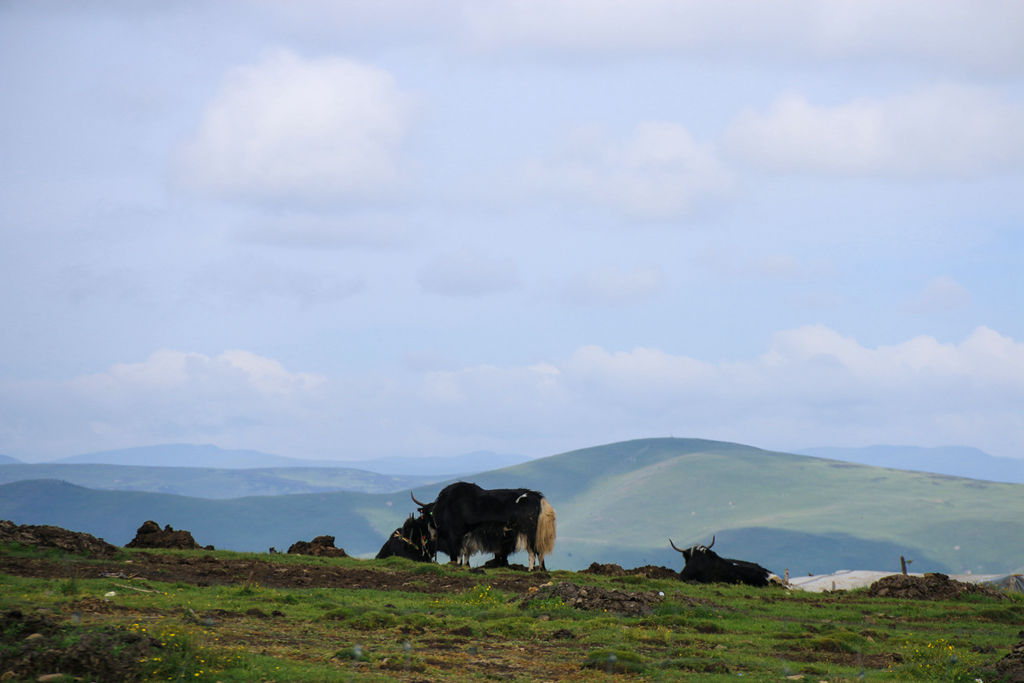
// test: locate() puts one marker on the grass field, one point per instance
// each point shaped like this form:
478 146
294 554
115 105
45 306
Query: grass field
247 617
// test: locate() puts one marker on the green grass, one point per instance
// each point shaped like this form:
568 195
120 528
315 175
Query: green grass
245 631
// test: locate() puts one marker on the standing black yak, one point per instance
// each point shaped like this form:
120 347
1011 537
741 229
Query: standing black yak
468 518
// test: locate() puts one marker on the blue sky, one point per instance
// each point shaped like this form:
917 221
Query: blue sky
345 230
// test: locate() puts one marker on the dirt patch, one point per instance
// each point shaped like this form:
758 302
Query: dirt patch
1011 667
927 587
654 572
46 536
150 535
596 599
34 645
883 660
321 546
649 571
207 570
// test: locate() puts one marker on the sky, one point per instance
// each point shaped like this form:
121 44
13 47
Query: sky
348 230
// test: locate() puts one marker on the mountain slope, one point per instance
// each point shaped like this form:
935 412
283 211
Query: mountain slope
621 503
957 461
184 455
626 499
202 482
253 523
209 456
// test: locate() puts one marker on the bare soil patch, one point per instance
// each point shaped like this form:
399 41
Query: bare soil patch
150 535
53 537
34 646
649 571
321 546
203 570
208 570
1011 667
927 587
596 599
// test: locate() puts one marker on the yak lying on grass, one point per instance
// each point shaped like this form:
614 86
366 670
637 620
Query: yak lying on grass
412 541
705 566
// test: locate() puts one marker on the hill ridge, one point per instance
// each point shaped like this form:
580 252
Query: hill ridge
781 510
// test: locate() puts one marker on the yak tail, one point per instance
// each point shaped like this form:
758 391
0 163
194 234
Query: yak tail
545 542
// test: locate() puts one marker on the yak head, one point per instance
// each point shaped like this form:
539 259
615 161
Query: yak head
426 511
688 553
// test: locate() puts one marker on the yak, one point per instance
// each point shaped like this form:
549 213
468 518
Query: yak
467 518
412 541
705 566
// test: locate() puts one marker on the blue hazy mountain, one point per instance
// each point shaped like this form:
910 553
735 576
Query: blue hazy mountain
955 461
206 455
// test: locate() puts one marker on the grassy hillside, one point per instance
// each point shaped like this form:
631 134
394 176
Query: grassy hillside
199 616
620 503
206 482
624 501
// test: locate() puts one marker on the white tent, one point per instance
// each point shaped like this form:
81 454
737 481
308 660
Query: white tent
848 579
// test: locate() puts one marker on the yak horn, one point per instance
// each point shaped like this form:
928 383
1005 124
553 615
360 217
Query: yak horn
673 545
416 501
712 541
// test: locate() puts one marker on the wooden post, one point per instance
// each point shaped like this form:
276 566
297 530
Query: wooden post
903 565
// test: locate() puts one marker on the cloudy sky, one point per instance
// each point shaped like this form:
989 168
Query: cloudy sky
346 229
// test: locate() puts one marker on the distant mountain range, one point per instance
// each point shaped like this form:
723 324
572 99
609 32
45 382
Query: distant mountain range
469 463
209 456
621 503
208 482
956 461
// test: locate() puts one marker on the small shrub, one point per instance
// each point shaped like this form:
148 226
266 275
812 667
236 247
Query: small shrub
1001 616
614 661
339 614
372 620
695 665
356 653
943 661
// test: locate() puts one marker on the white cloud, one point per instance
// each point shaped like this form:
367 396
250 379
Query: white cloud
610 286
944 130
658 172
319 130
194 374
232 399
468 273
812 386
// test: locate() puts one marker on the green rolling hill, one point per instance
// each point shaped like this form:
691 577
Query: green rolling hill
620 503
